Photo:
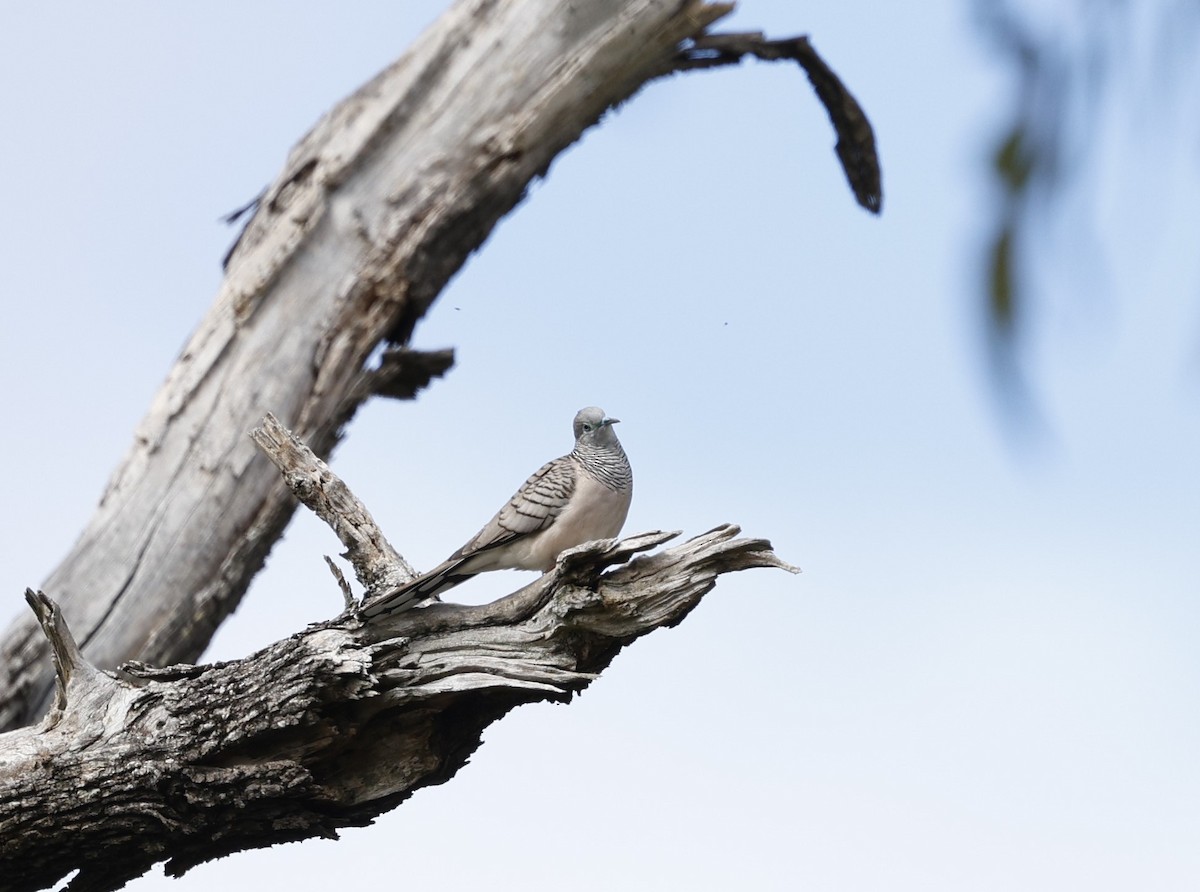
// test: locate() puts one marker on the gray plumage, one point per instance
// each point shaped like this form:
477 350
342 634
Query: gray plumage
580 497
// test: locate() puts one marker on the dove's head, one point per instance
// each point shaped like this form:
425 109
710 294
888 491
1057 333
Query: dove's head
593 428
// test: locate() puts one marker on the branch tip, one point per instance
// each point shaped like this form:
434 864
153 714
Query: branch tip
378 566
855 137
64 651
347 595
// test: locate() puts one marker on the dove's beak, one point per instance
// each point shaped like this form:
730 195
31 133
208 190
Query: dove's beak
611 421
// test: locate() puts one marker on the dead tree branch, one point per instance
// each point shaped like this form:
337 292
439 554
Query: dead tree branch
326 729
856 138
378 566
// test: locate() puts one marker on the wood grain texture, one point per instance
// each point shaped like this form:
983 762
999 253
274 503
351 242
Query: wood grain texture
377 564
326 729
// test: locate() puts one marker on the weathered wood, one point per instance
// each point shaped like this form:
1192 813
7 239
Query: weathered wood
376 208
326 729
377 564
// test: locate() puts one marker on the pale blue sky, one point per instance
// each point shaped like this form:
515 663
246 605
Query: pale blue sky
986 678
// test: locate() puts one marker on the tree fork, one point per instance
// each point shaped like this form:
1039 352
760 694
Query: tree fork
375 209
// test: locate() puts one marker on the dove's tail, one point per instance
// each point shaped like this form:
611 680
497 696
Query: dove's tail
426 586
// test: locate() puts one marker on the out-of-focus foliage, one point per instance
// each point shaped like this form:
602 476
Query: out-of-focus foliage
1066 58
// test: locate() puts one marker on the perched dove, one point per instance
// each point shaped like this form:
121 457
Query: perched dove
578 498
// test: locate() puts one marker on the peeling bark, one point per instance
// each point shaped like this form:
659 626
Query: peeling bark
326 729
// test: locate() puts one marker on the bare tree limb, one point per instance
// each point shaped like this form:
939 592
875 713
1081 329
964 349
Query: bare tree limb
856 138
333 726
378 566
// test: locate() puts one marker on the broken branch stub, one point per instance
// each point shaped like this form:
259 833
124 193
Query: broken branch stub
378 566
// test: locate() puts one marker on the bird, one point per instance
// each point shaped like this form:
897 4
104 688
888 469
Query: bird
580 497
